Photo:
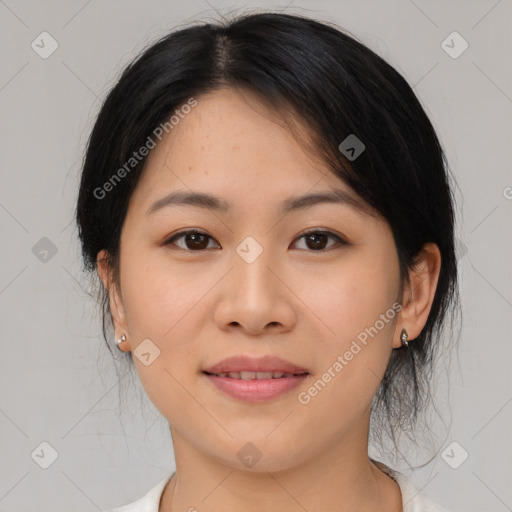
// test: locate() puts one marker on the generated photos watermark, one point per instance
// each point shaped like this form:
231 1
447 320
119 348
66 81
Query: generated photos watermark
143 151
304 397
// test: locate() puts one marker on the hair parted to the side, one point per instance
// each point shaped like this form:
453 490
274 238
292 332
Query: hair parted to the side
333 85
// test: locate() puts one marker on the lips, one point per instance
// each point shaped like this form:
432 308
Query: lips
245 375
253 380
250 368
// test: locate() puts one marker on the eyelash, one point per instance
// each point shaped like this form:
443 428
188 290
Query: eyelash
182 234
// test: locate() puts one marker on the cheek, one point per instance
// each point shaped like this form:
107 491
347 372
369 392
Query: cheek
355 314
164 302
162 305
351 296
158 294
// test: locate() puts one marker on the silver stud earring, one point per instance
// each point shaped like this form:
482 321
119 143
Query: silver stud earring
119 341
403 338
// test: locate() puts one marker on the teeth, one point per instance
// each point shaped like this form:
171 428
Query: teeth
246 375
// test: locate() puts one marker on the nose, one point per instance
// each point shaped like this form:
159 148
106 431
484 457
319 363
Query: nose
255 298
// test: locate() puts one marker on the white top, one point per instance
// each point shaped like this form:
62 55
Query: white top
412 500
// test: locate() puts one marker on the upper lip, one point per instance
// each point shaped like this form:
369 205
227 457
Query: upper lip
254 364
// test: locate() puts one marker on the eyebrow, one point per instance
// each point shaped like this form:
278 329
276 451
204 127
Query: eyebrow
205 200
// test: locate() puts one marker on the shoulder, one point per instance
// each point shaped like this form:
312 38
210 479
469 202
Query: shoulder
412 499
148 503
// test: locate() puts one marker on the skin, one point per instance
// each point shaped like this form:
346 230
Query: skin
295 301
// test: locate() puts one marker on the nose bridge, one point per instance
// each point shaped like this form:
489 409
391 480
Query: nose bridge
251 298
253 277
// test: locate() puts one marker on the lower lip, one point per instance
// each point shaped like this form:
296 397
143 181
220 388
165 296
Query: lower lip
256 390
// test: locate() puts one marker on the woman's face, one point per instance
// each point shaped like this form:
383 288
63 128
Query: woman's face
254 285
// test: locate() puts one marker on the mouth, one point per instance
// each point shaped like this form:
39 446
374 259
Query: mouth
248 375
255 387
249 367
250 379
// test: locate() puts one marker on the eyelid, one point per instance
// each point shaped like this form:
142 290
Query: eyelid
323 231
192 231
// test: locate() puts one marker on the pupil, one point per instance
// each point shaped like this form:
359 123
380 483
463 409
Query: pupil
195 237
314 236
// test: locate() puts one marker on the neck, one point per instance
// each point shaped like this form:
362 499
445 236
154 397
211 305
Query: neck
341 479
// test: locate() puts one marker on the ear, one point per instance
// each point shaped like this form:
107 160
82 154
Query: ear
116 304
418 293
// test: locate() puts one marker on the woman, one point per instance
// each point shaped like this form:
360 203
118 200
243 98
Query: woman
268 208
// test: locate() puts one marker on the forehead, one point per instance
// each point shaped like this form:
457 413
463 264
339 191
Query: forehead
229 126
234 146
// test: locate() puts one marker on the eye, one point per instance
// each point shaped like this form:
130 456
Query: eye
316 240
194 240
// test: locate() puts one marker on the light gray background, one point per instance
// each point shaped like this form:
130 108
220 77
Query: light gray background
58 382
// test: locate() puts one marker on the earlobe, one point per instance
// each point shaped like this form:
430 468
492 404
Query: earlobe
419 293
